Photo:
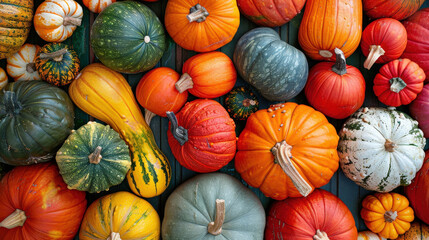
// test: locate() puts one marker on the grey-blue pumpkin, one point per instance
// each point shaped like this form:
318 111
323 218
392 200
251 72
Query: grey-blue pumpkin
277 69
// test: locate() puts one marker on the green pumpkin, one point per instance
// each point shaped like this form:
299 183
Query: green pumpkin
57 64
276 69
35 118
128 37
93 158
213 206
241 102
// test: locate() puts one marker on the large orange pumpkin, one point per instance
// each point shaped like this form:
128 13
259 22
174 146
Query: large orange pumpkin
202 25
330 24
287 150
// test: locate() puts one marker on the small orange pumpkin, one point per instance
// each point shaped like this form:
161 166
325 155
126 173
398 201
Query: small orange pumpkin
387 214
22 65
97 6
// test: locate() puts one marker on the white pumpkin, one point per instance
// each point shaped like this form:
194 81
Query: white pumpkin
368 235
3 78
381 149
21 65
97 6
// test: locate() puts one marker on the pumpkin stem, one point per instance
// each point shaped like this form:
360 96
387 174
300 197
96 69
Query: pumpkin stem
325 53
397 84
30 67
148 115
72 21
179 132
197 14
390 216
184 83
56 56
95 157
282 155
340 66
247 102
215 228
114 236
15 219
375 51
11 103
389 145
320 235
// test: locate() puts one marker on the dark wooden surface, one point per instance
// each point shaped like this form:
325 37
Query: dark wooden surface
174 57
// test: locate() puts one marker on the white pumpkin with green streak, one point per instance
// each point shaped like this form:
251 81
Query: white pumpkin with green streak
381 149
93 158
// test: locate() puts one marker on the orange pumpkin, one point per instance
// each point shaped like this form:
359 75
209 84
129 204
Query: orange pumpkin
387 214
330 24
208 75
202 25
287 150
418 231
97 6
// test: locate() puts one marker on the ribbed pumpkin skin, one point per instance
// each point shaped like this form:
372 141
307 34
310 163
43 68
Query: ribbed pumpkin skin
330 24
138 40
385 82
397 9
157 93
314 149
419 110
214 32
241 102
276 69
418 231
44 121
368 235
300 218
106 95
121 212
96 6
417 49
21 65
77 170
418 192
3 79
16 17
192 206
211 136
270 14
53 211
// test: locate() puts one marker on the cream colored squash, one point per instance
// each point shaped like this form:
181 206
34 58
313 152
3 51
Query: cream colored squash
368 235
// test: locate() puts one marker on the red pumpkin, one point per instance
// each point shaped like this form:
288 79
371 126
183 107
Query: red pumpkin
419 110
418 192
202 136
36 204
399 82
383 40
320 215
397 9
417 49
271 14
335 89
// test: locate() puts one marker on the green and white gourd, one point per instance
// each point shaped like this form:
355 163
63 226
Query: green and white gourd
93 158
381 149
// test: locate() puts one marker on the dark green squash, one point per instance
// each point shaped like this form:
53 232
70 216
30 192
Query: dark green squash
276 69
128 37
241 102
57 64
35 118
93 158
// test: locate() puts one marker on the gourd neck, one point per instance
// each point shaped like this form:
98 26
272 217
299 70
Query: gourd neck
96 157
320 235
248 102
197 14
71 21
179 132
282 155
397 84
375 52
215 228
390 216
30 67
389 145
148 115
184 83
15 219
12 105
340 66
57 56
114 236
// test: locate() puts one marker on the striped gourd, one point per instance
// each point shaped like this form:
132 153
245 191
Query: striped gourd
106 95
3 78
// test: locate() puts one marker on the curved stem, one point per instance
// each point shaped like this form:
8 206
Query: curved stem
30 67
282 155
11 103
375 51
184 83
114 236
72 21
15 219
148 115
179 132
397 84
320 235
197 13
389 145
215 228
340 66
390 216
56 56
247 102
95 157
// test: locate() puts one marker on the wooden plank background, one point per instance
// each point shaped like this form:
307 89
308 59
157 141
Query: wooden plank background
174 57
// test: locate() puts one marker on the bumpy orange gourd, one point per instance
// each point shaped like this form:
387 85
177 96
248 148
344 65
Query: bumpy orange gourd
287 150
330 24
387 214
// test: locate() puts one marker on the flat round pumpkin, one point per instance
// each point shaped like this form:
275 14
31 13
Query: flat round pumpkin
22 64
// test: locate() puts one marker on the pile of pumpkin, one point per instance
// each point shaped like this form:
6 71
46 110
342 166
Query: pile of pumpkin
287 150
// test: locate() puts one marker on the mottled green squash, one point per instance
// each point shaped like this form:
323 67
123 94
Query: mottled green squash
93 158
241 102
